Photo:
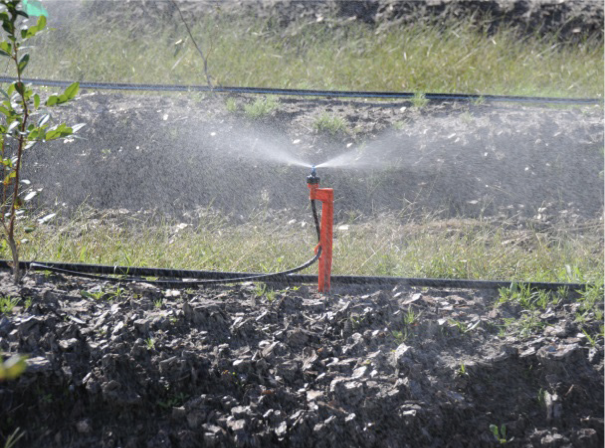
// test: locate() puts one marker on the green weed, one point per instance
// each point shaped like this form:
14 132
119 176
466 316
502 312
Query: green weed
260 107
529 299
499 433
419 100
330 124
7 304
150 343
231 105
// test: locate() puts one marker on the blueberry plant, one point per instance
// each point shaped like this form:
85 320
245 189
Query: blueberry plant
25 120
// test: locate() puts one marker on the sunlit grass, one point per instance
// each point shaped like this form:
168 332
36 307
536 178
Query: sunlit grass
418 58
447 249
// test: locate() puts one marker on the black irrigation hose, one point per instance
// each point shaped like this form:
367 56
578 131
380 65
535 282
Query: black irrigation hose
242 277
227 277
303 92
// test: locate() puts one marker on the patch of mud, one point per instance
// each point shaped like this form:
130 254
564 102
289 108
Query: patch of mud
226 366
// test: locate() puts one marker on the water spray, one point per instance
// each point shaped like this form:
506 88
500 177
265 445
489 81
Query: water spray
324 231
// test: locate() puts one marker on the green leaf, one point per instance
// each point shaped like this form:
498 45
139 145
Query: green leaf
37 98
8 177
23 62
19 87
5 111
59 131
3 92
41 23
52 100
72 90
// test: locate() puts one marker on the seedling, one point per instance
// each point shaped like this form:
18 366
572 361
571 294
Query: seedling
400 336
7 304
411 318
462 370
261 290
591 340
24 119
93 295
150 343
158 303
499 433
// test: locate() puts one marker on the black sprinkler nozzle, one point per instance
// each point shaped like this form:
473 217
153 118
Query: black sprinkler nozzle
313 179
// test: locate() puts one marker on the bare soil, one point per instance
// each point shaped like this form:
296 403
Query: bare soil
225 366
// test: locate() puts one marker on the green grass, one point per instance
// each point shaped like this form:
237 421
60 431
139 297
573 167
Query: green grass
452 57
471 249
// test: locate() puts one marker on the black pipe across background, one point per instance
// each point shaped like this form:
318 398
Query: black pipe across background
304 92
290 279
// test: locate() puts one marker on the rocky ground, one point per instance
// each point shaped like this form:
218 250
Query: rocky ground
236 366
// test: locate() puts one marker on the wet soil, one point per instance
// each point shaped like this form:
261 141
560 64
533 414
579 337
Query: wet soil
178 153
236 366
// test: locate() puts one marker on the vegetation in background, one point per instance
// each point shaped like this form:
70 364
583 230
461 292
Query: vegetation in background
453 57
24 121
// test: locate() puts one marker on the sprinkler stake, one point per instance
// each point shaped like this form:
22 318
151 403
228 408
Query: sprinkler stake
326 196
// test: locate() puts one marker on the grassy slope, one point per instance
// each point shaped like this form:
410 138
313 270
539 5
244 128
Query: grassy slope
423 58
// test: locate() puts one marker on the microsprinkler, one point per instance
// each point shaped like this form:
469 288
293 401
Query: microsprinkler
326 196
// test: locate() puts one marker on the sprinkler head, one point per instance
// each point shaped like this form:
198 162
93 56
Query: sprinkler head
313 179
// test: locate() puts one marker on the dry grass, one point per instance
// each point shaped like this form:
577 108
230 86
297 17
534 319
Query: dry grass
420 58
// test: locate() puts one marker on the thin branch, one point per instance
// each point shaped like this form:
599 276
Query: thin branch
199 50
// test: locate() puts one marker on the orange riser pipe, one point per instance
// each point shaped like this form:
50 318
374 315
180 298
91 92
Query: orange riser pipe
326 196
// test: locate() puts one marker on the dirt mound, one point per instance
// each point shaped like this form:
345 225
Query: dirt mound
236 366
565 18
177 154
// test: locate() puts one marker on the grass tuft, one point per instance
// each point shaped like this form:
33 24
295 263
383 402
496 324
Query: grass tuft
260 107
330 124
